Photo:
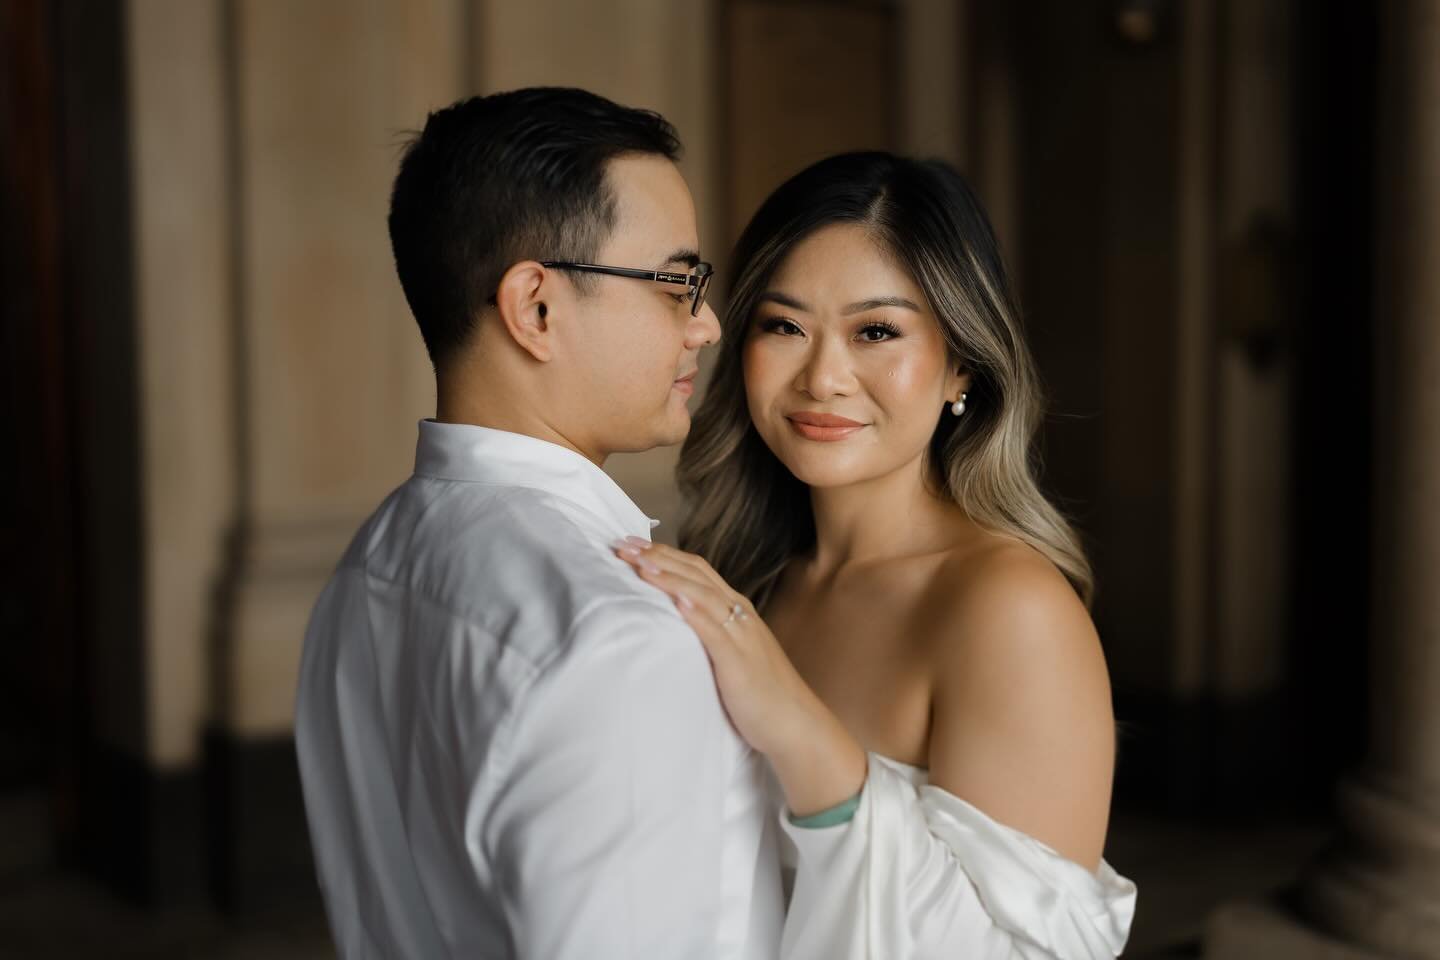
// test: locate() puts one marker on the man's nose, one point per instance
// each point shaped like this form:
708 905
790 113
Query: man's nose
704 329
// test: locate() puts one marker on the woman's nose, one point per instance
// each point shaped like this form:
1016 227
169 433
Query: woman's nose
826 372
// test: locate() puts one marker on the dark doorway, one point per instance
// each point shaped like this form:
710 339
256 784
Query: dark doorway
70 534
1099 97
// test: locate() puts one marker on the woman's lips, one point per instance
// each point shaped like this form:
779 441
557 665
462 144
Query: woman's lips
824 427
685 385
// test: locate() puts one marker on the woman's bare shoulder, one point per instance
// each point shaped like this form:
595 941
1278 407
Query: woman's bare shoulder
995 583
1021 696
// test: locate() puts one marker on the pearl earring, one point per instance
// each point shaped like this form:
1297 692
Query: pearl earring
958 407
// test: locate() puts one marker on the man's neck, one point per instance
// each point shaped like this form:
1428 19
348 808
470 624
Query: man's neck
467 407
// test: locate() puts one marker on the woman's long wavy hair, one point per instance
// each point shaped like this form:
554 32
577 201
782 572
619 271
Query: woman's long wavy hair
748 514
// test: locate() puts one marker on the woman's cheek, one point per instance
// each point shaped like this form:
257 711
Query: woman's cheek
761 372
905 381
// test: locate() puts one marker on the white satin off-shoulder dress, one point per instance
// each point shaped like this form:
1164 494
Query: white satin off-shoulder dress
919 874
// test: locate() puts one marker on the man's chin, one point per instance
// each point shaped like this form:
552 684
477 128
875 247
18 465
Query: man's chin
674 433
665 434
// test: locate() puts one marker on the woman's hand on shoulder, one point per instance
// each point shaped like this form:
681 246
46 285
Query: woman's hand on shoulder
1023 727
818 763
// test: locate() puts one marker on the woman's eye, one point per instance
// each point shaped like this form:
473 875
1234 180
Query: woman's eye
783 327
878 332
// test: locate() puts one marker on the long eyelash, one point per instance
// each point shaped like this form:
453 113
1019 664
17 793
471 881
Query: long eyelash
775 323
889 328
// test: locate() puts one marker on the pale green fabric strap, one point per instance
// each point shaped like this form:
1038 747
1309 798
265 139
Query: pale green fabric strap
840 813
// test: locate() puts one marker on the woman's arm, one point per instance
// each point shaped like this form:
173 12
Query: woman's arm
818 763
925 871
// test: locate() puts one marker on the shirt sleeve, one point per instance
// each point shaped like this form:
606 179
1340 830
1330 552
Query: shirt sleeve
918 872
606 833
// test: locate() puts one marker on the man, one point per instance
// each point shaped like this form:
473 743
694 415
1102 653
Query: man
510 745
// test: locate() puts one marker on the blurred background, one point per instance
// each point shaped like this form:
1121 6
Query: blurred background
1224 220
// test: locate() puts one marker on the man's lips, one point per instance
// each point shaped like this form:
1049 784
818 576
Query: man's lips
686 384
822 426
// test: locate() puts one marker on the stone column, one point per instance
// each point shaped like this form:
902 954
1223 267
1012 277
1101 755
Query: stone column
330 374
1376 893
183 293
1381 886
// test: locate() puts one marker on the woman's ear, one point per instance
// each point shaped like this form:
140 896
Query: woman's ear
520 301
957 382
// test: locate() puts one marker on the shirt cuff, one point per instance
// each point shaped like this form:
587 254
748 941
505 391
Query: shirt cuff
842 812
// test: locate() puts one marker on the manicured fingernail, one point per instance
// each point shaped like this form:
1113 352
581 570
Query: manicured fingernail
649 567
640 542
685 601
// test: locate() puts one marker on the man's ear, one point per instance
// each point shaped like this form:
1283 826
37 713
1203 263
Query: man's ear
520 301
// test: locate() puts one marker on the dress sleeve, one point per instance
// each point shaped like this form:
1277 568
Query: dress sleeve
920 873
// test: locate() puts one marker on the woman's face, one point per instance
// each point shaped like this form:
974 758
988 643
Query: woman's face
846 372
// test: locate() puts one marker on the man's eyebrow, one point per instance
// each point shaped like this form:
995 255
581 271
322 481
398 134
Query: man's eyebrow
862 305
691 258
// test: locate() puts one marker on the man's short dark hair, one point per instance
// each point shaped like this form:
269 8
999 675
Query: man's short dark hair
494 180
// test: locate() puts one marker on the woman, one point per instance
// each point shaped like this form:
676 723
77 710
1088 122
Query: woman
925 681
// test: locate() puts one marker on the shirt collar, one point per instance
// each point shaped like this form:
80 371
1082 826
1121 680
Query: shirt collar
463 451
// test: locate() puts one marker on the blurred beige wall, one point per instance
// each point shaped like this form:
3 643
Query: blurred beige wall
281 374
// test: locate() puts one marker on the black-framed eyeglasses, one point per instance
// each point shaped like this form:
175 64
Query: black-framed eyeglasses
697 280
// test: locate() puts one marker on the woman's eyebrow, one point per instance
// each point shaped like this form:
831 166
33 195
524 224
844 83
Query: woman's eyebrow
784 300
862 305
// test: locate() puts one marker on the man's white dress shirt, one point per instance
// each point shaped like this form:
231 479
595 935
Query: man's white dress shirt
510 745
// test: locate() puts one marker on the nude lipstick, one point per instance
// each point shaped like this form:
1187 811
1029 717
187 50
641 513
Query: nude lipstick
823 427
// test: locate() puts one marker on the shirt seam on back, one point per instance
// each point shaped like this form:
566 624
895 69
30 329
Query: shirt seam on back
409 847
505 733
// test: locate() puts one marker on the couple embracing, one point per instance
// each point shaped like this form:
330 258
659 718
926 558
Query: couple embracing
862 713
